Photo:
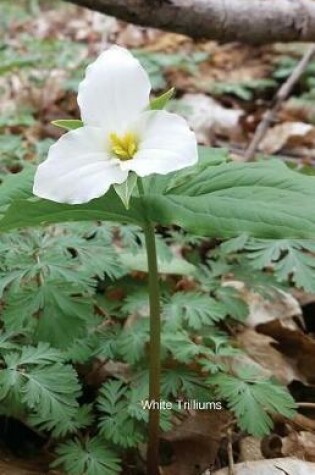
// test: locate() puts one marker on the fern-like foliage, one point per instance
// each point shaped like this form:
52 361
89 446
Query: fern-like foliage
70 301
48 277
132 342
116 425
44 388
91 457
252 399
139 394
180 381
291 260
192 309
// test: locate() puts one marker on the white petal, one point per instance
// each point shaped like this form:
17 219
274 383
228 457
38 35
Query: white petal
166 144
78 168
115 90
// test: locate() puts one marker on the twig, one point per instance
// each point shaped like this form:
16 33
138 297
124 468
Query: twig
299 421
307 405
230 452
280 96
299 157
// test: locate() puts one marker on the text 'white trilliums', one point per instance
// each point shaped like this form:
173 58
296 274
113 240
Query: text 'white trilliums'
120 135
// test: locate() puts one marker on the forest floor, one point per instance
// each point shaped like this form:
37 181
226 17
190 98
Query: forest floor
223 90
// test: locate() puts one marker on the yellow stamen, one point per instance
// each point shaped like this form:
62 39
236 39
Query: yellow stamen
125 146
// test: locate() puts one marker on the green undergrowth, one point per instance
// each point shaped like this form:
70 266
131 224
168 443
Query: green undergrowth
74 338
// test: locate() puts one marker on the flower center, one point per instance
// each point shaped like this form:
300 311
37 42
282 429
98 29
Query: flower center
124 146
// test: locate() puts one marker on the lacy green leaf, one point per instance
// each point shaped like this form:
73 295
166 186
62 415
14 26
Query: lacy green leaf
91 457
193 308
116 425
253 400
291 260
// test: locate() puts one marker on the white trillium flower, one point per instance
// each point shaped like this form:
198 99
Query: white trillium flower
120 135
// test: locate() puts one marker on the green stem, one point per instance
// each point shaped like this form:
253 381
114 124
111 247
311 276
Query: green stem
155 346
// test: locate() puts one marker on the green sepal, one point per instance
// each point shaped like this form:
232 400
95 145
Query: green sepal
125 189
68 124
161 101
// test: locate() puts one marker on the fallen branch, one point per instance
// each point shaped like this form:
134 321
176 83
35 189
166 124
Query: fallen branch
282 94
248 21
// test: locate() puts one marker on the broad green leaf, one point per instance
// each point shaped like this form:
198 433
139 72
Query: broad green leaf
208 156
28 210
211 156
263 199
69 124
161 101
23 213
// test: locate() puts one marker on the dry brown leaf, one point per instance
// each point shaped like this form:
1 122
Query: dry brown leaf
280 135
207 116
131 36
101 370
231 64
294 344
262 310
134 36
259 348
71 21
168 42
250 449
195 442
300 445
300 422
304 298
299 110
281 466
15 466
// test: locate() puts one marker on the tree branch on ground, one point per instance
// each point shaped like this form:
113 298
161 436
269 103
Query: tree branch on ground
280 97
248 21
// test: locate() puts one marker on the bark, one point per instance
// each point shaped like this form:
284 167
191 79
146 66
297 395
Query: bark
248 21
